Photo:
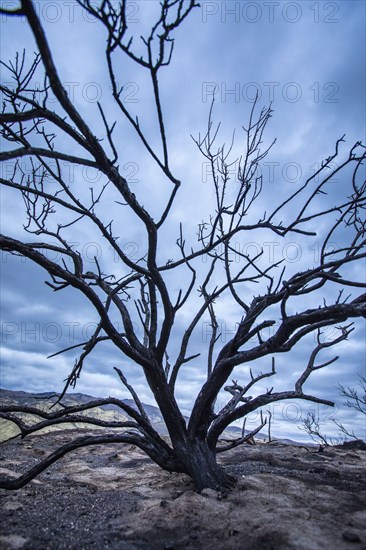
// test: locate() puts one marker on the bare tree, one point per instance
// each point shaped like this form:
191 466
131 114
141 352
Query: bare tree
356 401
46 135
311 426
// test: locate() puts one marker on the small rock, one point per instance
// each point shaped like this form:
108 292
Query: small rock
13 506
211 493
13 542
350 536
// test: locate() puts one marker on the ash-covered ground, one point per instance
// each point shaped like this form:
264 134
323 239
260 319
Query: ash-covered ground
286 497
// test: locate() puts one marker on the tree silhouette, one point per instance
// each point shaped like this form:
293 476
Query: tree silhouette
45 127
356 400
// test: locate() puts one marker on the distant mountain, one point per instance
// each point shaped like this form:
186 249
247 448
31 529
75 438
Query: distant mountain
110 412
47 399
30 398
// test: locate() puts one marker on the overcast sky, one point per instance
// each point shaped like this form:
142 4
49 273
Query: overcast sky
308 59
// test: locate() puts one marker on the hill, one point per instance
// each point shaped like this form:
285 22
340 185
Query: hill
46 400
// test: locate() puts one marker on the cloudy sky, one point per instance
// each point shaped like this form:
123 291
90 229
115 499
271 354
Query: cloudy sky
308 59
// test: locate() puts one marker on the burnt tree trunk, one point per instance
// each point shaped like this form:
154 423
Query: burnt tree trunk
200 464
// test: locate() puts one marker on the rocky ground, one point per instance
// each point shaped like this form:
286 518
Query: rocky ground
286 497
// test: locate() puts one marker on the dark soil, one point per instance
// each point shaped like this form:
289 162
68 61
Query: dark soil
286 497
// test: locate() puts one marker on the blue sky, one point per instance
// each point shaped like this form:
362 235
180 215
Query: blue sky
308 58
